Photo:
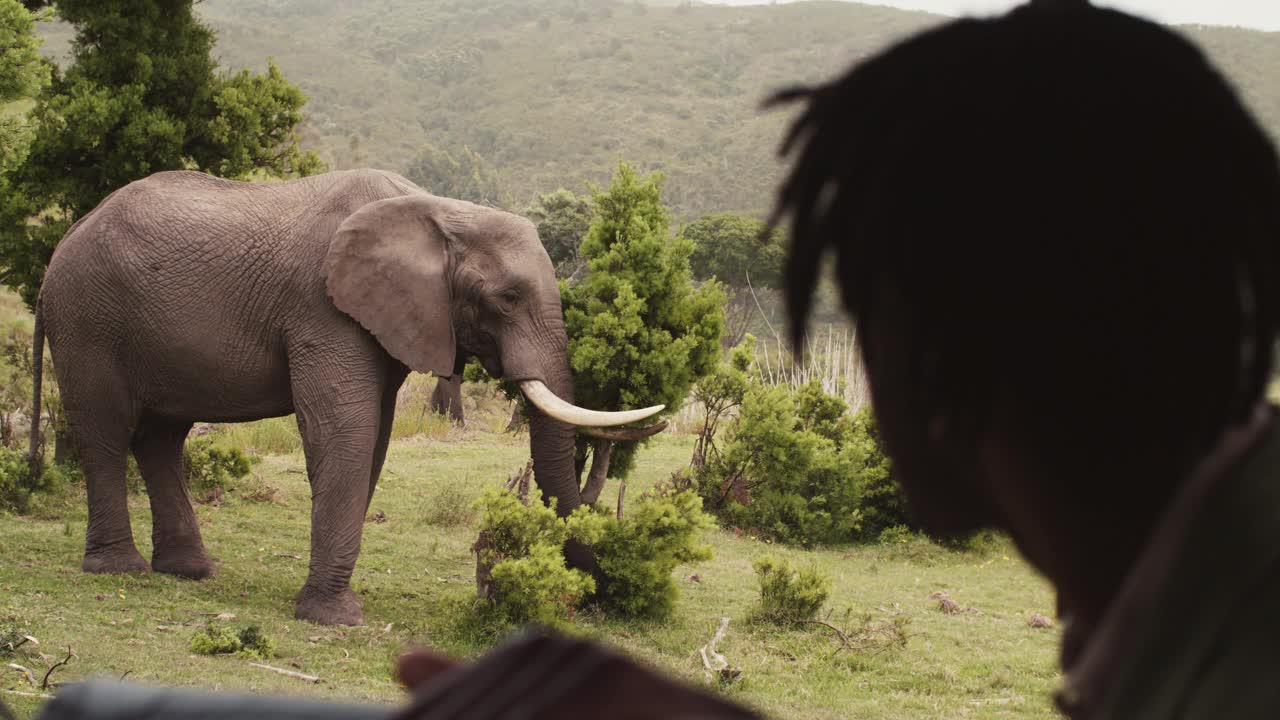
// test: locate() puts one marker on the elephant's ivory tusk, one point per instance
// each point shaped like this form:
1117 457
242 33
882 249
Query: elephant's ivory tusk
626 434
546 401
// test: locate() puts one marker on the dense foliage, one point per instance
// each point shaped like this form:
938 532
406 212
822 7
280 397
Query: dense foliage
465 177
143 95
640 334
22 75
212 468
521 546
638 554
729 247
793 465
528 580
563 219
217 639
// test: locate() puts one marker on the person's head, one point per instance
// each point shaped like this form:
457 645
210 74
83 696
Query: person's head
1056 231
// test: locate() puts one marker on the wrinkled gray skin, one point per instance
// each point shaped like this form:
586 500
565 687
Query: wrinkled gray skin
185 298
446 399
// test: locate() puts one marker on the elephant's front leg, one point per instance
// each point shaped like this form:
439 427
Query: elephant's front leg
339 419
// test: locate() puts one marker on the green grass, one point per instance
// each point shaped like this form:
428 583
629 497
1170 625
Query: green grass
416 578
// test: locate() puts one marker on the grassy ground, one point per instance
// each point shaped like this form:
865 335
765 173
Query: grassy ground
416 578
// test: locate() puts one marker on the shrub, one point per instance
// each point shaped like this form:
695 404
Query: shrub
16 492
797 468
528 581
450 506
210 468
521 546
638 553
787 594
12 635
14 478
539 587
222 640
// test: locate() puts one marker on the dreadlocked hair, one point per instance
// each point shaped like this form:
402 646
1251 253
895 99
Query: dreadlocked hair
1075 205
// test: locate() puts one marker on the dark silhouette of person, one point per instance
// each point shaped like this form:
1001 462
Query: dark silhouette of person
1056 233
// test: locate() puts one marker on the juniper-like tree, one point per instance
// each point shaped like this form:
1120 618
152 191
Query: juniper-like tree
640 333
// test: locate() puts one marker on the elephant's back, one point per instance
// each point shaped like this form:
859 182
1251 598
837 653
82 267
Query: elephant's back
185 270
172 234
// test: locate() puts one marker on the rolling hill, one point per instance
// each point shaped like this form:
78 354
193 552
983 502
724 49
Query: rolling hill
554 92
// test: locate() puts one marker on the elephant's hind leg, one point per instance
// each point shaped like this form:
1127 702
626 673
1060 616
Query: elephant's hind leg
101 424
175 534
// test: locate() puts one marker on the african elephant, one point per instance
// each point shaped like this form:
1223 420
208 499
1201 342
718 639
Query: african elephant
184 298
446 399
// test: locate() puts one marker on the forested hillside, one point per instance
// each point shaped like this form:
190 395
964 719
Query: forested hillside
552 93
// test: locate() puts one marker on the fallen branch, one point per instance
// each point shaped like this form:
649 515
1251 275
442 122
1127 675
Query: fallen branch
44 684
710 648
291 556
19 693
25 673
844 639
288 673
724 672
869 636
13 648
519 483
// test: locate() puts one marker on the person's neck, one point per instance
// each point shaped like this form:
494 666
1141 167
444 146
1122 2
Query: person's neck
1088 554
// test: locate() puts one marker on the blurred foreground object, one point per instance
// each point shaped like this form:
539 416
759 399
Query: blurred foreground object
1057 232
533 677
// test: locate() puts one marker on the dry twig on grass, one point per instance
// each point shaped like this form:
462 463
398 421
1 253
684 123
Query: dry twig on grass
868 636
44 684
722 670
26 674
288 673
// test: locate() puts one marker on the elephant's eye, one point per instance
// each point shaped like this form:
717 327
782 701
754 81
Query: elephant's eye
507 299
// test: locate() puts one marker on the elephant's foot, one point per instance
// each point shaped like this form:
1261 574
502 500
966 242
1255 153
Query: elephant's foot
186 561
118 558
323 608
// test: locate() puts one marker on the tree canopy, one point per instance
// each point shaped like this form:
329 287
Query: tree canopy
639 332
143 95
563 219
465 177
728 246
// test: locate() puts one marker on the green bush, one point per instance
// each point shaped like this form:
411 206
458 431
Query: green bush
16 493
529 581
538 587
211 468
798 469
222 640
638 553
788 594
522 545
14 475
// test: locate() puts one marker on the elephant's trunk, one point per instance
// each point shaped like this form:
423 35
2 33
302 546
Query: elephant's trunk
551 443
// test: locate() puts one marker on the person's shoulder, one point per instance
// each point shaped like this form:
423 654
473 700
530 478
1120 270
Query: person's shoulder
1240 677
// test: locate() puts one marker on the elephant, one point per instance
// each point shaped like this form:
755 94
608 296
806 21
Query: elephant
186 298
446 399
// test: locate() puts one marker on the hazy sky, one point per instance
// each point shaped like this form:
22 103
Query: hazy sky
1259 14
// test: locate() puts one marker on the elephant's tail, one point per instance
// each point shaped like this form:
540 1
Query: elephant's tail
35 454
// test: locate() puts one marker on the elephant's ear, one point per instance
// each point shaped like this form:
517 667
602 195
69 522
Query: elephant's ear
387 268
